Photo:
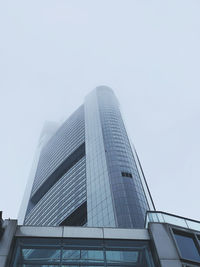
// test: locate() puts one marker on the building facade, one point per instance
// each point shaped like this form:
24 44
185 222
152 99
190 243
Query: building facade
166 241
87 173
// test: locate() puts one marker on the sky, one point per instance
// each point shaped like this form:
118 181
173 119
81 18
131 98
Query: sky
54 52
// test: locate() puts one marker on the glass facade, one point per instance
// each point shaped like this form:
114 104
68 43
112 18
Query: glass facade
62 199
47 252
87 173
187 246
99 194
129 199
59 186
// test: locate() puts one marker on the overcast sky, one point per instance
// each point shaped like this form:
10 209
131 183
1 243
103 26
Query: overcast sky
54 52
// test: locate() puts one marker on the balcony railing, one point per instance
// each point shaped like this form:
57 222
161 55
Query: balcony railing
163 217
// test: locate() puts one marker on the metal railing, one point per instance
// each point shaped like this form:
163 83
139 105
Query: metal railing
164 217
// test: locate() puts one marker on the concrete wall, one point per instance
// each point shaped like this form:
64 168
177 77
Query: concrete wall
6 240
164 245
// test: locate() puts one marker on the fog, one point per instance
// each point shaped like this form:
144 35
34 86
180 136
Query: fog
53 53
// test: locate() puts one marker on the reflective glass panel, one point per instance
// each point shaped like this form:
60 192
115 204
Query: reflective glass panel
175 220
47 255
40 265
193 225
122 256
187 247
83 255
48 252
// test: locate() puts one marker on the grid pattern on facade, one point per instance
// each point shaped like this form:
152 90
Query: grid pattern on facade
67 164
62 199
129 198
106 181
99 200
68 137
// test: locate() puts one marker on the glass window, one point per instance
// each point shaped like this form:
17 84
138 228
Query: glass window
48 252
47 255
122 256
43 265
83 255
187 246
127 174
175 220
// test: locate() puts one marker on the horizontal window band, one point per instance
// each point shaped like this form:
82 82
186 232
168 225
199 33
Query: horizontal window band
65 166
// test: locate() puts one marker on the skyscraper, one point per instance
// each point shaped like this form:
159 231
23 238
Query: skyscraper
87 173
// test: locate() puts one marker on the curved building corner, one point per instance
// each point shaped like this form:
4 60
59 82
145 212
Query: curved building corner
87 173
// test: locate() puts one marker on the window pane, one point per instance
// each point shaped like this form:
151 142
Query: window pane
187 247
122 256
40 265
71 254
47 255
79 265
83 255
175 220
94 255
193 225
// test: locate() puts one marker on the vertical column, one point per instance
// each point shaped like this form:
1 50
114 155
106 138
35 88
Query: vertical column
99 199
164 245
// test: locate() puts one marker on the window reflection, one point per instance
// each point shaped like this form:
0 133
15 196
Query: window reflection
187 246
47 252
122 256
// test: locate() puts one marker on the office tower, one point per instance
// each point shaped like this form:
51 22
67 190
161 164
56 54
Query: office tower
87 173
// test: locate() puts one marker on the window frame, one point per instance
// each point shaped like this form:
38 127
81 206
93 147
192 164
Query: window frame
187 233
